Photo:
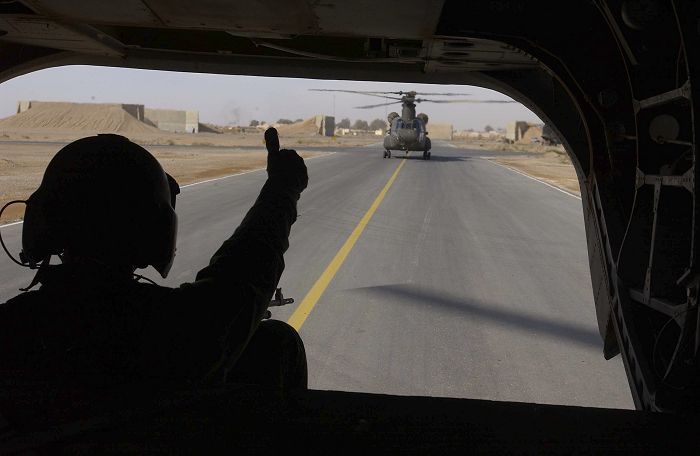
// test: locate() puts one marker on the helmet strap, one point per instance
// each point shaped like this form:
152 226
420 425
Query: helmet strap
37 277
21 261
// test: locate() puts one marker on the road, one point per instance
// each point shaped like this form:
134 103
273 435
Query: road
453 277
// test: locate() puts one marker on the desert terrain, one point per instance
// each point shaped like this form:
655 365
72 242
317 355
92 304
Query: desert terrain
548 163
31 138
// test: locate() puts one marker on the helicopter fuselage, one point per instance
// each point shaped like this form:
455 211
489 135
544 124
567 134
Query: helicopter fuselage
408 135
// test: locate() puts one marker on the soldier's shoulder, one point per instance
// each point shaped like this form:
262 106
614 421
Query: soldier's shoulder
23 299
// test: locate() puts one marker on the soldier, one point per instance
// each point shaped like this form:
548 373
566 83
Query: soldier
106 208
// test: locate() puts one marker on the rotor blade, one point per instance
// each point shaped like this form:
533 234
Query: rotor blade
382 96
371 94
400 92
446 94
377 105
420 100
348 91
443 94
352 91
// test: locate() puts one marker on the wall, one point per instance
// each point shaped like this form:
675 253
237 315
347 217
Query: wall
192 121
532 133
136 110
516 130
325 125
23 105
173 120
440 131
523 132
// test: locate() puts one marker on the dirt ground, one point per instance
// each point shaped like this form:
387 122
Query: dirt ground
22 163
198 139
24 155
29 139
548 163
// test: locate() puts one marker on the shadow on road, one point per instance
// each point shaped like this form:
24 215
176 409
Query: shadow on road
546 327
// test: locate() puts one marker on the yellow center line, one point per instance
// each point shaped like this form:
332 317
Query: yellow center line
307 304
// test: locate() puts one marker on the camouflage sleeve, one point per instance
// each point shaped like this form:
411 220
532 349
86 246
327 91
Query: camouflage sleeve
253 255
218 313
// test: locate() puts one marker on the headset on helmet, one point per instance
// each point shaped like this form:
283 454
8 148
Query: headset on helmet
103 196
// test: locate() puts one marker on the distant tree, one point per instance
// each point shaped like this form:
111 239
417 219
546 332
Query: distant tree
284 121
254 123
360 125
298 120
377 124
488 128
345 123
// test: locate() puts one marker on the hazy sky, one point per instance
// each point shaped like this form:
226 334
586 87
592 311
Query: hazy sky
224 99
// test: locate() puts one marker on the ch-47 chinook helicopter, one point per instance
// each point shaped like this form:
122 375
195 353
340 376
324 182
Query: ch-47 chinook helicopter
407 131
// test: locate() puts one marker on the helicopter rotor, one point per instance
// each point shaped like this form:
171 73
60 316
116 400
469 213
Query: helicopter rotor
371 94
378 105
423 100
409 97
411 93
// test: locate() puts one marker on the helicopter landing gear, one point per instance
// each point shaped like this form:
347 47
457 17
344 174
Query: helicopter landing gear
387 153
426 155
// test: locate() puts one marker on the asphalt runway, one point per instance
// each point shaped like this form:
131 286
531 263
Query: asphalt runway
454 277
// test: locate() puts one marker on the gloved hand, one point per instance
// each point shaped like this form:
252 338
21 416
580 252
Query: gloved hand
284 166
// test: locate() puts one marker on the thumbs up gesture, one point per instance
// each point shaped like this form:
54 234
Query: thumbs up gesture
284 166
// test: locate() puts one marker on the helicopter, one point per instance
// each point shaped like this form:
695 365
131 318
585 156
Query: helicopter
408 131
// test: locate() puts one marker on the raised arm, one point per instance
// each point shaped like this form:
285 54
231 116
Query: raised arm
221 309
253 254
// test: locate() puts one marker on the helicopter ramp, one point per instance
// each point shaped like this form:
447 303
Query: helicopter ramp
253 419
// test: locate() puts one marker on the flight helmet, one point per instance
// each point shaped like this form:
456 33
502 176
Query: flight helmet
106 198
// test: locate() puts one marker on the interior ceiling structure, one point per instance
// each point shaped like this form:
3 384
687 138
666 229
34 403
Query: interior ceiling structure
287 33
616 79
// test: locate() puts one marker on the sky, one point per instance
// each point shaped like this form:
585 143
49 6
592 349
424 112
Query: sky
236 100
